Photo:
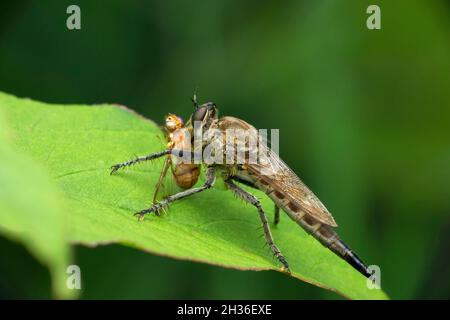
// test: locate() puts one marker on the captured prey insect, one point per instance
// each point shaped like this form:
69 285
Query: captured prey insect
185 174
271 176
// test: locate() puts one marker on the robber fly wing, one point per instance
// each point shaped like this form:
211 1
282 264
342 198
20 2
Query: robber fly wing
284 180
166 184
280 177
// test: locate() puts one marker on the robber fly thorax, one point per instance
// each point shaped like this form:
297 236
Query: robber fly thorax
272 176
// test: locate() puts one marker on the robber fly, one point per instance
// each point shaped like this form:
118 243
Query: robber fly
272 176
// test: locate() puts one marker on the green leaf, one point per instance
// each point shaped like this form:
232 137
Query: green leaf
31 211
77 145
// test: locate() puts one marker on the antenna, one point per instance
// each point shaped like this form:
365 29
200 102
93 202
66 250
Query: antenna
194 99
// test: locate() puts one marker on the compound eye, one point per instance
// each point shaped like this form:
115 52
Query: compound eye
199 114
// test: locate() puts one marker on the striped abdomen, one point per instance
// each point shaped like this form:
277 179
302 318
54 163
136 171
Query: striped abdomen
322 232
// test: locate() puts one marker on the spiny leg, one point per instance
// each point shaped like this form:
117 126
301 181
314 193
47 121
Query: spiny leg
210 179
276 219
151 156
180 153
268 235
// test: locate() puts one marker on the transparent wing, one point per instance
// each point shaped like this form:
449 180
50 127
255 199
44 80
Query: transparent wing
283 179
275 172
165 185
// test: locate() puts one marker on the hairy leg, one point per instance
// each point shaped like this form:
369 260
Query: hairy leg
210 179
276 219
179 153
252 200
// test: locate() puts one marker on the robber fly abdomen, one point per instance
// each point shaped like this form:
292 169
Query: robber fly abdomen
322 232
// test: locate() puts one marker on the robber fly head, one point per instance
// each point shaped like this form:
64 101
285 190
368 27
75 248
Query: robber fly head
204 112
204 115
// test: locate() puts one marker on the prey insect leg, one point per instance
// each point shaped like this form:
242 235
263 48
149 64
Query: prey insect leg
179 153
276 219
210 179
252 200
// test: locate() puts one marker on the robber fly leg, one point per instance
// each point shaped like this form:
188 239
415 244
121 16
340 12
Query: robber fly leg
210 179
152 156
276 219
179 153
241 193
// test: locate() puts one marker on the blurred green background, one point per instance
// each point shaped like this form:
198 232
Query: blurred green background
364 119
